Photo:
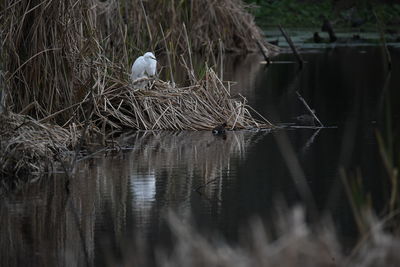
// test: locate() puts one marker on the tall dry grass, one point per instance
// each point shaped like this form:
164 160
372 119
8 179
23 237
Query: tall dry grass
208 23
50 47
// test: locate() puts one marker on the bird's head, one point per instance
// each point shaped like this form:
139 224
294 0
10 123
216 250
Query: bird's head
149 55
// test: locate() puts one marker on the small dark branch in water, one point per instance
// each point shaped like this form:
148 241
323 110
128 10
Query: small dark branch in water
308 108
292 46
219 201
309 127
197 190
264 51
204 185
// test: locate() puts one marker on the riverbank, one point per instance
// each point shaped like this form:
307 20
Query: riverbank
343 15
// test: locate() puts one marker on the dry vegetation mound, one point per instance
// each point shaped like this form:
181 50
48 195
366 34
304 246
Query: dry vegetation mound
29 148
200 106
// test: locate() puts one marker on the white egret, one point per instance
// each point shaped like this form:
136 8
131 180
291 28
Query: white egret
144 66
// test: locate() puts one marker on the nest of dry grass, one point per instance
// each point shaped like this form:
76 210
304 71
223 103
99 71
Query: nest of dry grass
29 148
162 106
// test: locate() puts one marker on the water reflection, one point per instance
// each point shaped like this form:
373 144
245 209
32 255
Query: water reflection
143 190
118 198
115 198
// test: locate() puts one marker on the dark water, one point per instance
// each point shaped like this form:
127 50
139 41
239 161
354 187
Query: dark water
120 198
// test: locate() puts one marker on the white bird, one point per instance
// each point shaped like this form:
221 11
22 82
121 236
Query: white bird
144 66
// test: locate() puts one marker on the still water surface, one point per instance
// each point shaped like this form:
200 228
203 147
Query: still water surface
118 198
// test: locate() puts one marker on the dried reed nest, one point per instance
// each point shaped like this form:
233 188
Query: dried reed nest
29 148
162 106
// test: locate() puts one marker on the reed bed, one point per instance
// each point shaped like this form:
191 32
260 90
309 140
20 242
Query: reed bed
47 46
59 66
50 46
29 148
161 106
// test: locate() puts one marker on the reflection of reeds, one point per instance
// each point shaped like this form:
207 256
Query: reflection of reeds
204 157
196 150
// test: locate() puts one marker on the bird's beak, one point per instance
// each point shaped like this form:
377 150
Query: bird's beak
153 58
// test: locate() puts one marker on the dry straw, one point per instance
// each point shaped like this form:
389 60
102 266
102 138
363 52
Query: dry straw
47 50
29 148
161 106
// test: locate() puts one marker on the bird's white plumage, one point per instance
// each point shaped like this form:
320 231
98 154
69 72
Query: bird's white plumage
151 66
144 66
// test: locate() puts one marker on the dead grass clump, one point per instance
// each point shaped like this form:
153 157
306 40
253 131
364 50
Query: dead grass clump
29 148
200 106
